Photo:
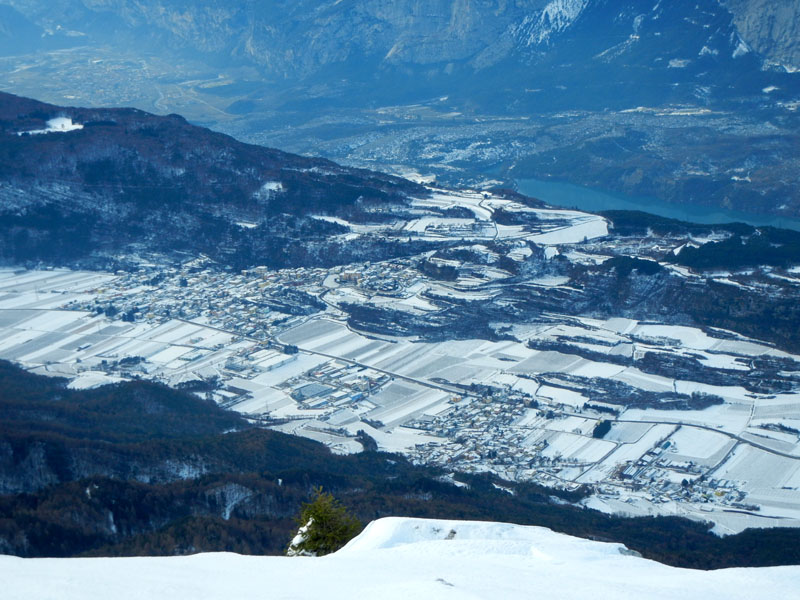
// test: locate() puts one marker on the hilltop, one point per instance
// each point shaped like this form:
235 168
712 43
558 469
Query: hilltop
393 558
78 183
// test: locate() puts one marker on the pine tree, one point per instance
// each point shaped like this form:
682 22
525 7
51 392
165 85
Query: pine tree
325 526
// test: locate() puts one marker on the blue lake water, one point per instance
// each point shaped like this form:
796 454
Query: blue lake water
568 195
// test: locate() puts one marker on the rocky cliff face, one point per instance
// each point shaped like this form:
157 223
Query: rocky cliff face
382 42
295 38
404 30
771 27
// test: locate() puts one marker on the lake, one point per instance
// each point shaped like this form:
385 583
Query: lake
568 195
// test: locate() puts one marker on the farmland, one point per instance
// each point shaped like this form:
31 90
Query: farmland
703 421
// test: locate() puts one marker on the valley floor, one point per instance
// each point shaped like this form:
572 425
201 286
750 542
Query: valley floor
698 428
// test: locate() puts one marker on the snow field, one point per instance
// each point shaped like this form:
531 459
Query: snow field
178 351
755 468
589 228
571 446
698 445
397 559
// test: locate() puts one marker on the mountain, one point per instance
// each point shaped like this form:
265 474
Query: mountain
771 28
489 53
105 187
16 32
434 559
692 102
78 182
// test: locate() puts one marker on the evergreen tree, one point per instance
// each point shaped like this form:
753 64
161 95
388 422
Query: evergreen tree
325 526
601 429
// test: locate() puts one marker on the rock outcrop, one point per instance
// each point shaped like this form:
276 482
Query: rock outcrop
770 27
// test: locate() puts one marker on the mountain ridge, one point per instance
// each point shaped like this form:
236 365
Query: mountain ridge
378 42
122 177
684 101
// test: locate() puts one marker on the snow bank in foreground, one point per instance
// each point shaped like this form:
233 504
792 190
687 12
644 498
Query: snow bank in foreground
400 559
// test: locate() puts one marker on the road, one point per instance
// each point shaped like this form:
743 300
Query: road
461 392
422 382
694 425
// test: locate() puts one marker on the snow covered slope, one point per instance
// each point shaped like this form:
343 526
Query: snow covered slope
401 558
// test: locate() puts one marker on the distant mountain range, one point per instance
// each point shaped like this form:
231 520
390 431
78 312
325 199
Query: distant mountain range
513 56
693 102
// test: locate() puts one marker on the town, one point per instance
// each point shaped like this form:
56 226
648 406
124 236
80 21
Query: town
282 348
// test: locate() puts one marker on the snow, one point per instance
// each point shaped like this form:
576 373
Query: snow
92 379
645 381
298 539
520 253
741 49
556 226
57 125
397 558
575 233
562 396
697 444
399 439
557 16
268 189
551 281
758 469
417 302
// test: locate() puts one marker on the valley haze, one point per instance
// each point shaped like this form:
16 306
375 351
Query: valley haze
689 102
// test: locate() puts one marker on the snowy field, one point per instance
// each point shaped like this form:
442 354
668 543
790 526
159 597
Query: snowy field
688 440
397 558
552 226
424 399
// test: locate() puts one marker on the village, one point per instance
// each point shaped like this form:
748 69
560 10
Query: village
278 346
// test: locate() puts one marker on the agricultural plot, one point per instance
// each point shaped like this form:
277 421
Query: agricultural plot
698 446
657 418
